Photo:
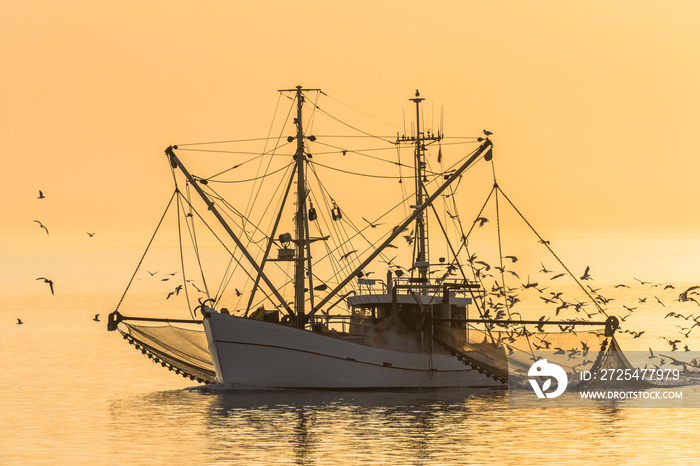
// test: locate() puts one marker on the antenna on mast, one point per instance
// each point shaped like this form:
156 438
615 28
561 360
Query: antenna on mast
301 218
420 140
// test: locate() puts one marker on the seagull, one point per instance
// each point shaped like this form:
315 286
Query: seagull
19 321
41 195
544 269
46 280
345 256
97 318
512 258
42 226
487 133
238 293
585 275
152 273
194 286
481 221
373 225
90 234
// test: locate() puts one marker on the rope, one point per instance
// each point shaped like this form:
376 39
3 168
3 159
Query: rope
210 180
552 252
224 142
182 257
358 174
138 266
352 127
193 235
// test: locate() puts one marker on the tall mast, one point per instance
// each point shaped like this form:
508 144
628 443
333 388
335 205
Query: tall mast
421 261
300 216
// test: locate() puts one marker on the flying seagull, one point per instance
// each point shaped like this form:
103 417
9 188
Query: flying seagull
373 225
19 321
481 221
90 234
345 256
41 195
42 226
46 280
586 275
97 318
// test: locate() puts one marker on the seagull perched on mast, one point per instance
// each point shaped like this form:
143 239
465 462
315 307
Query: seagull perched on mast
487 133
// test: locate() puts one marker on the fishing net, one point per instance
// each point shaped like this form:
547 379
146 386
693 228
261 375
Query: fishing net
182 350
507 356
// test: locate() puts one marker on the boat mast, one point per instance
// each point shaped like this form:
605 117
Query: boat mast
300 216
484 149
421 260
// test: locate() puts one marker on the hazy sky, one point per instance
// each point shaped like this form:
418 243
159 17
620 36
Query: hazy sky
594 105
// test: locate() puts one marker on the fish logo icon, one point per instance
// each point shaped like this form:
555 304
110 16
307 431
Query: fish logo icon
542 368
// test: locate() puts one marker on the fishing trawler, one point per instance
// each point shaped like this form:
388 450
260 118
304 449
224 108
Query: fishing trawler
303 323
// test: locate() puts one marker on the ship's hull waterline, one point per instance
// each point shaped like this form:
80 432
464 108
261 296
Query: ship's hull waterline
253 354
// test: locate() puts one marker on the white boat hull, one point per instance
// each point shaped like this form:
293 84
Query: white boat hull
251 354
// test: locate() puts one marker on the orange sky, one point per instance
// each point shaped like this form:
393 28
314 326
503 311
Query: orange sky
594 106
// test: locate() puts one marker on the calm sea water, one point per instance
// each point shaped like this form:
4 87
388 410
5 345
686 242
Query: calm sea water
72 393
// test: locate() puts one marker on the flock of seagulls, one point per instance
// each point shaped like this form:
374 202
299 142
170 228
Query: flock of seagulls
48 281
509 289
176 291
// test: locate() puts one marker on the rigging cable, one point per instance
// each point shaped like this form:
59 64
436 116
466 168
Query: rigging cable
545 243
148 246
360 111
231 253
182 257
230 141
352 127
193 238
500 256
253 198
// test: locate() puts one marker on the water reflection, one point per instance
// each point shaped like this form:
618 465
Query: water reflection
420 427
